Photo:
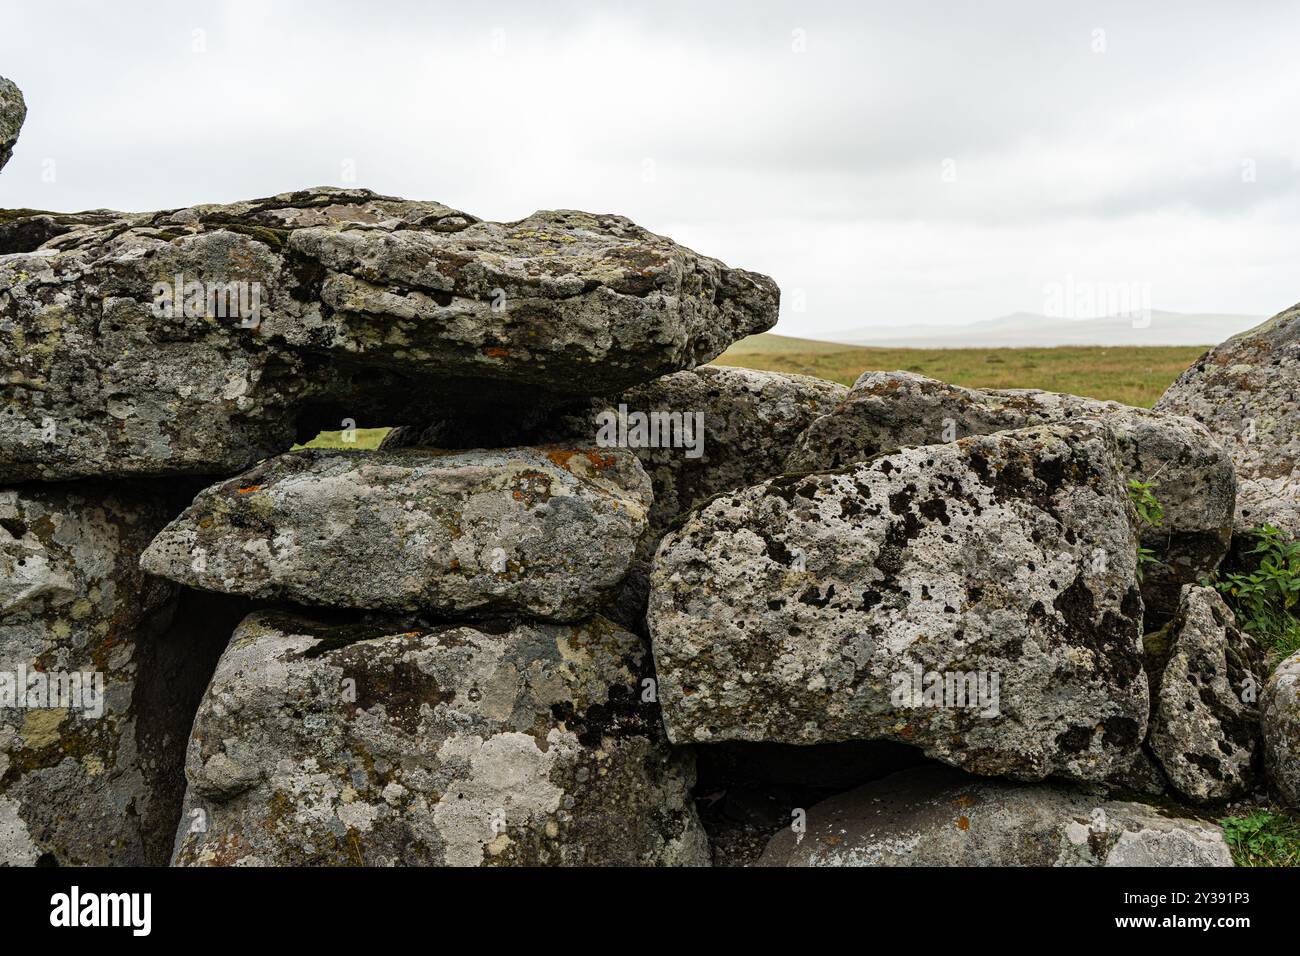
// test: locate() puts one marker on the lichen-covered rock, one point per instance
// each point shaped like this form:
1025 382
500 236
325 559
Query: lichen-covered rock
825 607
76 618
1280 724
547 532
749 420
938 817
1246 391
1193 474
401 744
211 337
736 426
1206 677
12 113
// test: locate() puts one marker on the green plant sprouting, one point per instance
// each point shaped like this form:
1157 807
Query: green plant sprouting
1150 513
1266 600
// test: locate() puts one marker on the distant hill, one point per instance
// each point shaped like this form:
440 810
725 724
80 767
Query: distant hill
1030 330
769 342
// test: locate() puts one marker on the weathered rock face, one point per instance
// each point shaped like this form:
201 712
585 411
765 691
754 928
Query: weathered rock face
736 426
929 817
1196 484
820 607
211 337
373 744
1246 391
546 532
1205 681
12 113
749 420
76 619
1280 722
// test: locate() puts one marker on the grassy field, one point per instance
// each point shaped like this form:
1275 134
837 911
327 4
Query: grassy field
1134 376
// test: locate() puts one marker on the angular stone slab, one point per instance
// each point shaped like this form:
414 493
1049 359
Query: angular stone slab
373 744
1193 473
935 817
806 609
547 532
1204 718
77 621
748 419
13 110
1246 391
298 312
735 425
1280 723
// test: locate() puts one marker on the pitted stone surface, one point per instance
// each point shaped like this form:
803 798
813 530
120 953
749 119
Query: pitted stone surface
1280 722
1193 474
794 611
401 744
1204 721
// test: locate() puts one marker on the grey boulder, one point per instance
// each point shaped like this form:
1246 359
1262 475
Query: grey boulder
937 817
973 599
546 532
1206 678
209 338
1280 723
697 433
77 618
1246 391
1193 474
13 110
749 420
372 744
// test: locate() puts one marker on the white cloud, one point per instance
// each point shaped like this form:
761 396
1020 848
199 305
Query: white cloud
824 168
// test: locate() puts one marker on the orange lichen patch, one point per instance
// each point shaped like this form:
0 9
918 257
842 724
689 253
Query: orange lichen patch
496 351
963 823
250 489
965 801
531 487
562 456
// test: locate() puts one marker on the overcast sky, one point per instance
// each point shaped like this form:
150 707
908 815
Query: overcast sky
888 164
